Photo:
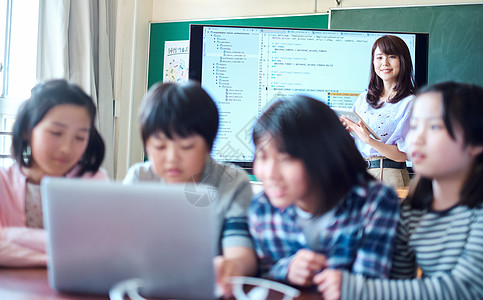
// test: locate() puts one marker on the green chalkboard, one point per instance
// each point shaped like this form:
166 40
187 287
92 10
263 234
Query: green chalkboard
174 31
455 35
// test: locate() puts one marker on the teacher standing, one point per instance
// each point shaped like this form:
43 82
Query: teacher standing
385 107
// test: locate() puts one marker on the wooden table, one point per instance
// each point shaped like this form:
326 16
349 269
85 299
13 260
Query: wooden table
32 284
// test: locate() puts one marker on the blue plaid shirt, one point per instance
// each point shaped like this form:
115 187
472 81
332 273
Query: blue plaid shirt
357 235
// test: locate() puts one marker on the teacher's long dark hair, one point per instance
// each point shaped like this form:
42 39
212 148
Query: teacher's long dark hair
406 85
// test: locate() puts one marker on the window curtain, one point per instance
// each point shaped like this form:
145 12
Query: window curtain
76 42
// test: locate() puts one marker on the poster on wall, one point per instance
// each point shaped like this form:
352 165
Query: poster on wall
176 55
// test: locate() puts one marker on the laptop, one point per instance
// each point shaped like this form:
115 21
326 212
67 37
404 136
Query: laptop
101 233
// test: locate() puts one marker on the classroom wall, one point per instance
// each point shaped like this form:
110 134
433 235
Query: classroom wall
164 10
132 48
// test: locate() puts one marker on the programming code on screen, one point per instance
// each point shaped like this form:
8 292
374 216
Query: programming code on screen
244 69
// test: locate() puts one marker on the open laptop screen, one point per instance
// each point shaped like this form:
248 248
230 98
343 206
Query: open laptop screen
101 233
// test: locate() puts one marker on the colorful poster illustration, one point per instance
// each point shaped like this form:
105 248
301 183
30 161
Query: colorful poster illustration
176 56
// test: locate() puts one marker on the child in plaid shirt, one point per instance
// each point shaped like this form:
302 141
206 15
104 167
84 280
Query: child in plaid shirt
320 208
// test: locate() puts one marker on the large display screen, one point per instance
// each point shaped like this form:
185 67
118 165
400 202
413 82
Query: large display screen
245 68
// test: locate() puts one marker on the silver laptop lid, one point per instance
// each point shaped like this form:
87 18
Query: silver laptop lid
100 233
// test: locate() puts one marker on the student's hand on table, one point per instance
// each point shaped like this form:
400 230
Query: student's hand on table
224 269
358 128
235 261
329 283
304 265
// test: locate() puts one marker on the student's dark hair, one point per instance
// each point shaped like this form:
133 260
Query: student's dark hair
462 108
406 85
179 109
308 129
45 96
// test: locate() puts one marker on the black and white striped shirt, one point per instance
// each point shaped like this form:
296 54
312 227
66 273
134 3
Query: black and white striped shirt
447 246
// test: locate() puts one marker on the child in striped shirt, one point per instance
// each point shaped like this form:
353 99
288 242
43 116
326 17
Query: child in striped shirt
320 208
441 227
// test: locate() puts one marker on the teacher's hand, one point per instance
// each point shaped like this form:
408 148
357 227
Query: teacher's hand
357 128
